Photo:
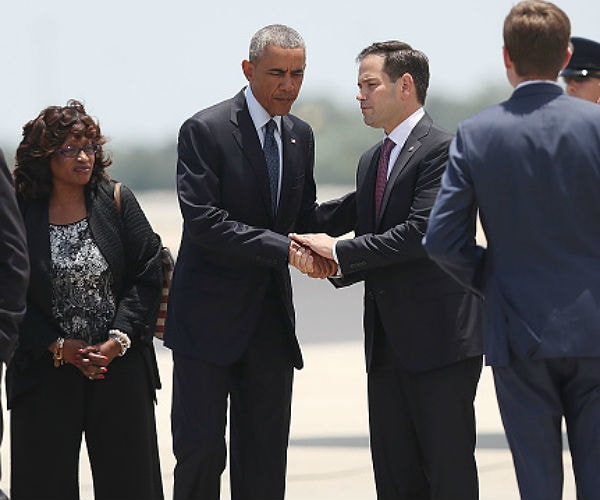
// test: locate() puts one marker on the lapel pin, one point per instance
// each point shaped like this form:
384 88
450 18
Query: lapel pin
293 141
411 148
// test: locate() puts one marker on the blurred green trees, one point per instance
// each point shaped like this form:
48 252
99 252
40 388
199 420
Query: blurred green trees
145 166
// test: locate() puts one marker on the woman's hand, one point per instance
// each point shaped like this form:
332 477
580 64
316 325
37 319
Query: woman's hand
80 354
70 350
110 349
94 359
92 362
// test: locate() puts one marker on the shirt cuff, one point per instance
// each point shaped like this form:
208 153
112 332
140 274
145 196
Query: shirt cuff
334 252
338 273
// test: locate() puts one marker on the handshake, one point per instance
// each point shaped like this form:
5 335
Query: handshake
312 254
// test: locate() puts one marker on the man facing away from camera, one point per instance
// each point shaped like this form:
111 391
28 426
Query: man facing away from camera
531 166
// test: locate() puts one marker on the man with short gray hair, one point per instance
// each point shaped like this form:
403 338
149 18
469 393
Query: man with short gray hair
244 180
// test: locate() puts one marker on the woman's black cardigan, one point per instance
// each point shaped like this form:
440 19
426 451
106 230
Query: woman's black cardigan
132 251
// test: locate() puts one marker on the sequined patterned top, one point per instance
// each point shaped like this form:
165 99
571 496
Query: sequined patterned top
82 298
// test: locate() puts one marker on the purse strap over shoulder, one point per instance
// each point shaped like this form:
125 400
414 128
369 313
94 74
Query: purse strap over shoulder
117 195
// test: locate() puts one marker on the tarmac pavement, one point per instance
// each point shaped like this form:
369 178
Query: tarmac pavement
329 456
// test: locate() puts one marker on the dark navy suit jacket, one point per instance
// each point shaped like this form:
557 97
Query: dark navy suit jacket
531 165
232 250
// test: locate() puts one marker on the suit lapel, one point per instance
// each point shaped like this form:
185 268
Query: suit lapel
289 143
244 133
365 194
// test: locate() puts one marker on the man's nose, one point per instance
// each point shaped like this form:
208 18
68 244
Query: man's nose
287 83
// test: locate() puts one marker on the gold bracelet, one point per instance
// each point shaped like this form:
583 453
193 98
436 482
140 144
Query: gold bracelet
58 356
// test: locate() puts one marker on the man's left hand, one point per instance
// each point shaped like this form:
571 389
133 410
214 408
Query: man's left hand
319 243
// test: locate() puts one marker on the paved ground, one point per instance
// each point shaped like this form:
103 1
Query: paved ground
329 456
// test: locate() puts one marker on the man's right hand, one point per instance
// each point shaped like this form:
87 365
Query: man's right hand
310 263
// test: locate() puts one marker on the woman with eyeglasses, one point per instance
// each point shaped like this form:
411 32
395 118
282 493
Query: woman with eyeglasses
85 365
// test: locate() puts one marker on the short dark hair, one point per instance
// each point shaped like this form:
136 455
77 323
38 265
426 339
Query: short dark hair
43 136
536 36
400 58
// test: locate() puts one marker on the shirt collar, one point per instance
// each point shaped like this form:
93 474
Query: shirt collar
403 130
259 115
531 82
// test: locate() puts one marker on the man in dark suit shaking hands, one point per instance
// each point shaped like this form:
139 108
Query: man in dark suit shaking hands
531 166
244 181
422 340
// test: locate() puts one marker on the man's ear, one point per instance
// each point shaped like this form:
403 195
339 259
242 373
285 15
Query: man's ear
568 56
508 64
407 84
248 70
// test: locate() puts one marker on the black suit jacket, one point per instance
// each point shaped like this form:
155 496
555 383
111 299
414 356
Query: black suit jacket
232 250
429 319
14 265
132 251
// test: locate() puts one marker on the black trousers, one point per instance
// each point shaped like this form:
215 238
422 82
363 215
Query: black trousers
116 417
2 494
422 428
259 388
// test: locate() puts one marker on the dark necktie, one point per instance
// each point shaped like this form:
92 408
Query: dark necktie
272 157
382 168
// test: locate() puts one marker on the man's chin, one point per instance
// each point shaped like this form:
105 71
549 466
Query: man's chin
283 106
283 110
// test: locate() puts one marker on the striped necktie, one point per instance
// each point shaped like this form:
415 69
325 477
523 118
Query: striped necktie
272 157
382 169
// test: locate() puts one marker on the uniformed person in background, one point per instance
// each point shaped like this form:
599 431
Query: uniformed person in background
582 75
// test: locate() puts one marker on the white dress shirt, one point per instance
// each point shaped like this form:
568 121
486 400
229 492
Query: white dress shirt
399 136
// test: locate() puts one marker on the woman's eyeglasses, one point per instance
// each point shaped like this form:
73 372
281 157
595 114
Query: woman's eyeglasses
73 152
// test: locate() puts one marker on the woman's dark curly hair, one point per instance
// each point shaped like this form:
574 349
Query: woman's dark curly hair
47 133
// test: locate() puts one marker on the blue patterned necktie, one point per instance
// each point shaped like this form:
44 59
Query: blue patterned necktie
272 157
382 169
